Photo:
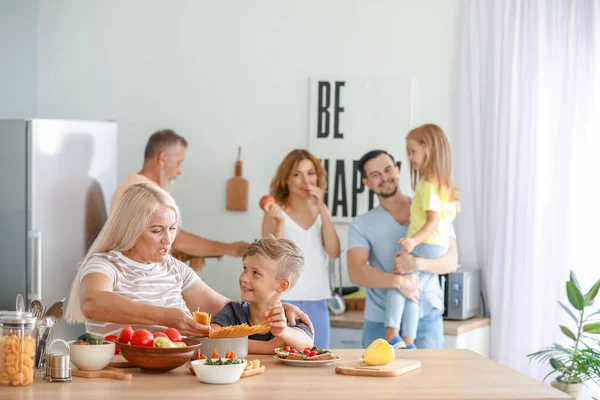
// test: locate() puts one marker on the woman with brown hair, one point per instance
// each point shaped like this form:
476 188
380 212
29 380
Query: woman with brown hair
301 215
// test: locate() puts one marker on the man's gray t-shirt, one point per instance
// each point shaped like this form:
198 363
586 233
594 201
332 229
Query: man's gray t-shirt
235 313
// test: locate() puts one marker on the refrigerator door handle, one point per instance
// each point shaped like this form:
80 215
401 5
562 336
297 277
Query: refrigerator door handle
34 284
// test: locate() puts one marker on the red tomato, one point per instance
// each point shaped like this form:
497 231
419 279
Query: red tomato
306 351
292 351
173 334
142 337
286 348
125 335
159 334
312 354
111 338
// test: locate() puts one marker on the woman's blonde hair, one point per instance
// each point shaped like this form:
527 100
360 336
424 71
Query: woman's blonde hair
279 188
437 167
122 229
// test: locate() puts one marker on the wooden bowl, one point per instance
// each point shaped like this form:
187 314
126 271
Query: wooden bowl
159 359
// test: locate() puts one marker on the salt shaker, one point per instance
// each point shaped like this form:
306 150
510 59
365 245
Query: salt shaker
58 365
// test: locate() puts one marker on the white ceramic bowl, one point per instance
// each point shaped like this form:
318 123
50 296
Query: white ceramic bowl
219 374
92 357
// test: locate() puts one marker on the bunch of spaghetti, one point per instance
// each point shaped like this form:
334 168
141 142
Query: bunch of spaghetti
237 331
202 317
234 331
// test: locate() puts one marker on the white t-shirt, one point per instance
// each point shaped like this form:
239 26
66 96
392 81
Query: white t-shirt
313 283
160 284
131 179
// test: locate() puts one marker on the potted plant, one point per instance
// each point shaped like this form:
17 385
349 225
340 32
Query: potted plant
579 362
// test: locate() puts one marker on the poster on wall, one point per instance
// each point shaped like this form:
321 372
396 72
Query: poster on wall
348 118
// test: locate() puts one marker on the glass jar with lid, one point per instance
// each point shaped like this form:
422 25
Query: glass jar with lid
17 348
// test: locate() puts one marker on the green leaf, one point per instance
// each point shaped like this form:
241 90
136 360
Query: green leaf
556 364
589 297
569 312
547 375
574 295
567 332
592 328
575 281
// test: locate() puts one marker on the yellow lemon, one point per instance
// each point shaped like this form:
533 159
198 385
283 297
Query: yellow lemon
380 352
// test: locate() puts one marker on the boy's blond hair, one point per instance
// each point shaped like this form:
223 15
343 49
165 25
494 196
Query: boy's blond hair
289 257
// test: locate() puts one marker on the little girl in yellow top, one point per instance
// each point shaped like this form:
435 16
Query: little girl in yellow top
432 211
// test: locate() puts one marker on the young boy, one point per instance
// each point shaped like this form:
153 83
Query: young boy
270 268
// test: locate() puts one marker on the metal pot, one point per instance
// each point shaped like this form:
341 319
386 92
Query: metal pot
238 345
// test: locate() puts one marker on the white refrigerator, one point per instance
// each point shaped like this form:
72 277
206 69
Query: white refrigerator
56 181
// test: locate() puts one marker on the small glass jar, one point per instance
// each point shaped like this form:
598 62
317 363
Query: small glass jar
17 348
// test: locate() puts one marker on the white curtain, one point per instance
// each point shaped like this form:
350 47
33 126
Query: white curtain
528 155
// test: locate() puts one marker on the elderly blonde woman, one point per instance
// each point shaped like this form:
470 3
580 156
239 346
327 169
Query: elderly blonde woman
128 276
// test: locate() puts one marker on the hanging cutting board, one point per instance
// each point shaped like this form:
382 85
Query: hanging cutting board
394 368
108 372
237 189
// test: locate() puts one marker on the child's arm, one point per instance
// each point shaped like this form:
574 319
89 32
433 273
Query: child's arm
409 243
405 263
293 337
261 347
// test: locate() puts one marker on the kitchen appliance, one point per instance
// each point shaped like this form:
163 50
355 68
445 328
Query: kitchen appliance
57 179
462 293
336 303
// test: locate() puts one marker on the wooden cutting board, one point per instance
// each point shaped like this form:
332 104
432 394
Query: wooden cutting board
237 189
395 368
108 372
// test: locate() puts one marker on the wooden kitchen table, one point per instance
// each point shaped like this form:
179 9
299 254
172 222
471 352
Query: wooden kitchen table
445 374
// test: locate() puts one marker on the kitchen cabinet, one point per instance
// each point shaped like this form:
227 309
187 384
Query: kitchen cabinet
472 334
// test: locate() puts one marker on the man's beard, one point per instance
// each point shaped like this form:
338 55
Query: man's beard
166 183
391 193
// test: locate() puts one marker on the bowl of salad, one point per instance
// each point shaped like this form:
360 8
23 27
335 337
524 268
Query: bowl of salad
89 353
219 370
